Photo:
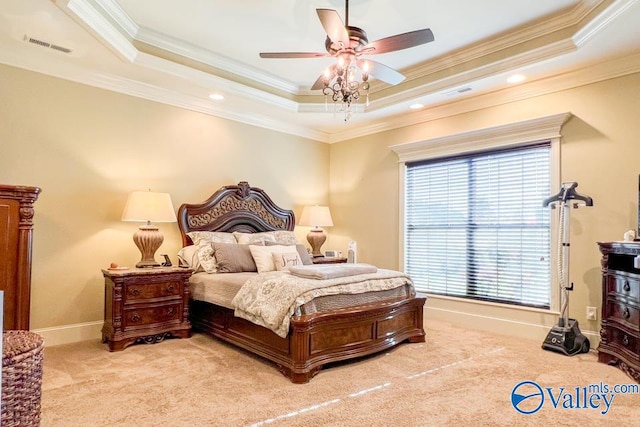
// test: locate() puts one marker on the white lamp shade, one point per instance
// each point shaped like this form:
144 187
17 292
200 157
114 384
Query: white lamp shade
149 207
316 216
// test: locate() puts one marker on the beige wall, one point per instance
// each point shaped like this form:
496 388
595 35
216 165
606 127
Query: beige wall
599 150
88 148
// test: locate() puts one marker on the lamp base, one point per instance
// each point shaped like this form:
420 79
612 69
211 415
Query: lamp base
148 239
316 238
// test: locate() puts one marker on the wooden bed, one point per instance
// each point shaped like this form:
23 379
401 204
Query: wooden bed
315 339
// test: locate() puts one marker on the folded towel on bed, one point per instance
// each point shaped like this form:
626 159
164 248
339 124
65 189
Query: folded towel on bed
331 271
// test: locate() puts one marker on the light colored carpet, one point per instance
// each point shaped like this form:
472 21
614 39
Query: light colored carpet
458 377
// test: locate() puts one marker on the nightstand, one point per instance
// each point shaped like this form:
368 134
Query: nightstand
145 305
326 260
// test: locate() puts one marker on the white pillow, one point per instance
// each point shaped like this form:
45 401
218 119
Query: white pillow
284 260
263 256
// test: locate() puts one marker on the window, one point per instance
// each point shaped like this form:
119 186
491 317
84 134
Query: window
475 226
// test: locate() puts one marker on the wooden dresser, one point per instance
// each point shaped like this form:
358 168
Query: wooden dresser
16 231
145 305
620 328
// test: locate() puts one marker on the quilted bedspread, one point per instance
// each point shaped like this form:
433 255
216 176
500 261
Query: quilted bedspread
269 299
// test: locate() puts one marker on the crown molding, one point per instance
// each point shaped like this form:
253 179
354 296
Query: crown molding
207 80
84 12
119 16
99 15
510 40
593 27
467 78
546 26
595 73
509 135
207 57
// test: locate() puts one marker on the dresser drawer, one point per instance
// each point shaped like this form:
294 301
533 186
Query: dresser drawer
624 285
151 315
624 313
147 292
628 343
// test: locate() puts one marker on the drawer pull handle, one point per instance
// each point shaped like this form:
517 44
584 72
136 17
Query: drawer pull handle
134 292
170 312
135 317
625 340
170 289
626 313
626 286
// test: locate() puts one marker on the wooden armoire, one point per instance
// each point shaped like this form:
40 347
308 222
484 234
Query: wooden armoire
16 230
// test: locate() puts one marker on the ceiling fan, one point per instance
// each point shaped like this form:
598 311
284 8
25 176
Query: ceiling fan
349 43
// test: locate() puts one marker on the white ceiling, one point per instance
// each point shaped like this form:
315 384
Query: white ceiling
180 52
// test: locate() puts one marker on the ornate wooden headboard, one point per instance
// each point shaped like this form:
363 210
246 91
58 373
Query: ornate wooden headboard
234 208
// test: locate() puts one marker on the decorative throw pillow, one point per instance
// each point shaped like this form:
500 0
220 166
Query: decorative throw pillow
252 238
263 257
233 258
284 237
211 236
284 260
281 237
302 253
205 255
203 241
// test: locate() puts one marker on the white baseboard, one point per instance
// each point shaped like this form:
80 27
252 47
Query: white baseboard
68 334
535 331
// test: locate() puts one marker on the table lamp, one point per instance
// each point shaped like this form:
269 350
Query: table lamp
146 206
316 217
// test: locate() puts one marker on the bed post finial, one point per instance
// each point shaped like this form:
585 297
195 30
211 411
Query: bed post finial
243 189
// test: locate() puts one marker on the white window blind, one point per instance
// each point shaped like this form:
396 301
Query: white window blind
475 226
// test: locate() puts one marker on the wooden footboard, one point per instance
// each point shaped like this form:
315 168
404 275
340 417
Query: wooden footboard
317 339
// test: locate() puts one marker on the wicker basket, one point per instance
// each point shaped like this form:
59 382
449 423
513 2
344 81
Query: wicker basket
21 378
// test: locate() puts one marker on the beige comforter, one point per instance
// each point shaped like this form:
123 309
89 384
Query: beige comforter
269 299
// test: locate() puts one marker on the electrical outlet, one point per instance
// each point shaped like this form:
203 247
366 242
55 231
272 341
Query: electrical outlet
592 314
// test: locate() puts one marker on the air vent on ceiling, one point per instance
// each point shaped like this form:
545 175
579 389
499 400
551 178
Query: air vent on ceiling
458 91
43 43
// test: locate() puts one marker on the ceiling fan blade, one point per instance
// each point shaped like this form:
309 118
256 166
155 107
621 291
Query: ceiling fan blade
381 71
333 25
319 84
400 41
293 55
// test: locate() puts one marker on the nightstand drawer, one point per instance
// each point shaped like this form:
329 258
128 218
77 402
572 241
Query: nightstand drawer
151 315
624 314
624 285
627 342
136 292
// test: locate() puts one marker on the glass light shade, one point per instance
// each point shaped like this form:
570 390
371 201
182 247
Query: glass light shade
146 206
316 216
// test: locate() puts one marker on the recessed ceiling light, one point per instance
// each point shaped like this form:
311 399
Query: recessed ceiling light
216 97
516 78
416 106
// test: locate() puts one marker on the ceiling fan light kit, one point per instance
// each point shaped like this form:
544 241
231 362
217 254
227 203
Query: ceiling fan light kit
347 79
